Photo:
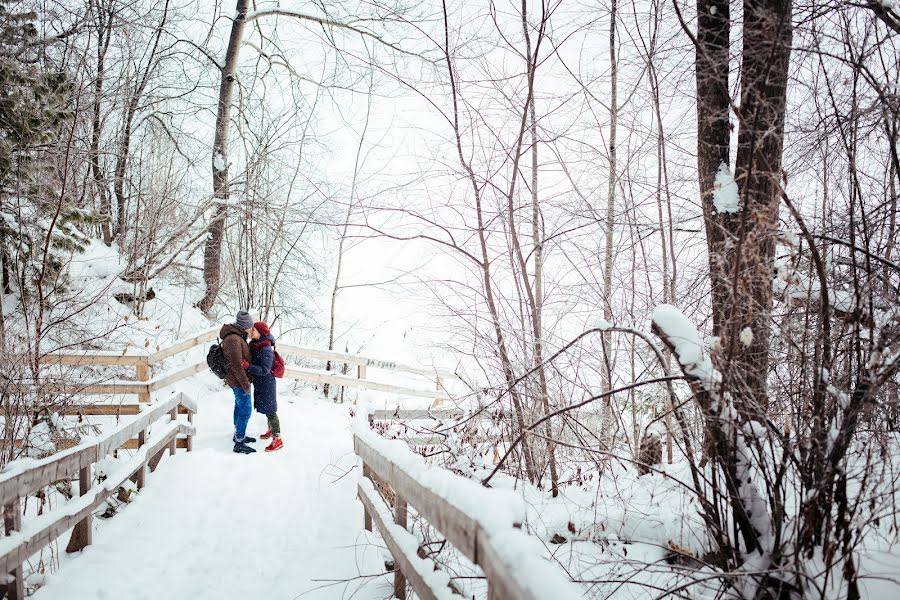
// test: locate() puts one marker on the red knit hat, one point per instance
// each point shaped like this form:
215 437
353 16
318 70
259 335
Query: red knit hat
262 328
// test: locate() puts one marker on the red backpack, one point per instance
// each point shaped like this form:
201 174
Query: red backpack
277 365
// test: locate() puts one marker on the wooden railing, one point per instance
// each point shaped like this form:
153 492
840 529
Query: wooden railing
493 540
18 482
143 385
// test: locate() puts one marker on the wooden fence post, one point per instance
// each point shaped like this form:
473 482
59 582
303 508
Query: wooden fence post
14 588
142 373
141 474
367 518
174 414
83 532
439 385
399 519
190 438
360 371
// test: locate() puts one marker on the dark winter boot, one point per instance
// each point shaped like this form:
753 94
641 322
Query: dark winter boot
241 448
247 439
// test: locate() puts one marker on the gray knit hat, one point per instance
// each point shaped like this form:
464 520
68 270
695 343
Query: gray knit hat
243 319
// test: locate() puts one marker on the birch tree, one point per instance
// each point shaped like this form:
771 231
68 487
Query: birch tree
212 253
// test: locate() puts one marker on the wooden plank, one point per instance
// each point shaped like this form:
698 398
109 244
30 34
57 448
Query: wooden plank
83 532
353 359
186 344
425 439
46 528
62 465
173 416
91 359
169 379
141 475
410 415
342 380
113 388
400 520
154 460
134 444
502 582
142 373
99 410
367 516
14 586
417 571
93 410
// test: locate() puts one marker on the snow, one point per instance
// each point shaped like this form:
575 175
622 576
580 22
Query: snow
746 337
219 163
686 341
212 524
726 197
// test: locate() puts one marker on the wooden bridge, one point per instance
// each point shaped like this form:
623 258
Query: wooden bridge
163 419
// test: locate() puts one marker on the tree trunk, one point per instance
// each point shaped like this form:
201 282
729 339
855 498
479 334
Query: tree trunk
104 34
128 123
740 238
212 252
606 371
535 296
713 133
742 243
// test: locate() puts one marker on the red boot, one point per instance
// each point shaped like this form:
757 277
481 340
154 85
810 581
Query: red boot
275 445
266 435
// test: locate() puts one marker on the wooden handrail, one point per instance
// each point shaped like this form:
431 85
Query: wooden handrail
33 475
133 358
333 378
354 359
416 414
500 549
21 478
144 385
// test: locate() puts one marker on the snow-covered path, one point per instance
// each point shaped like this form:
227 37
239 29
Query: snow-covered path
212 524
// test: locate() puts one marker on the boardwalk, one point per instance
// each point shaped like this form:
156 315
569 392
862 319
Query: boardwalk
214 525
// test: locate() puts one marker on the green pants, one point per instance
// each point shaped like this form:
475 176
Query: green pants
274 424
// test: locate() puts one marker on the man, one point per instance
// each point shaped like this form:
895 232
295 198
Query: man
236 351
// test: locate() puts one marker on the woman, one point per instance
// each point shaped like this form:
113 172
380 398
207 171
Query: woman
262 357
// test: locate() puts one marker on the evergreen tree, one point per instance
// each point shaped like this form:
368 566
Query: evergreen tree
34 114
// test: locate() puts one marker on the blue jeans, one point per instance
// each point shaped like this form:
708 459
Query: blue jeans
243 408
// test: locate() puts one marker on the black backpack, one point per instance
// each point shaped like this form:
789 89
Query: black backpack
215 358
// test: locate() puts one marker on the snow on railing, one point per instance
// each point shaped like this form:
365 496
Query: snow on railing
23 477
483 524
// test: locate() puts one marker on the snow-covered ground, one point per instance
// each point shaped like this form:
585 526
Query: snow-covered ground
212 524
